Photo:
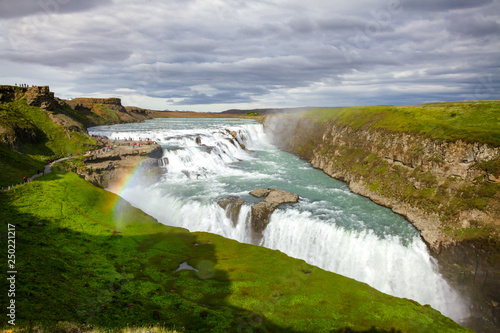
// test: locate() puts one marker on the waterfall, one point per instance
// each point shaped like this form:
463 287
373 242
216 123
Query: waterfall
330 227
383 263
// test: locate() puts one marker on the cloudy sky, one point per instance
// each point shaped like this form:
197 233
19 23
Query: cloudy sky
213 55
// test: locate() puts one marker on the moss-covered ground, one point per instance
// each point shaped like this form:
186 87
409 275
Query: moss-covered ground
84 256
470 121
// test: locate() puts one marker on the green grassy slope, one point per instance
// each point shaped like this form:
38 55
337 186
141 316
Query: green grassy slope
37 139
81 260
471 121
98 114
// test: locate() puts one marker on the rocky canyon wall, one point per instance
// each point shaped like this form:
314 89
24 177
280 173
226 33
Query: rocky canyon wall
449 190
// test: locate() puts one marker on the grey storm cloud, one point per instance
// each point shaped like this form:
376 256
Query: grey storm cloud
22 8
74 53
445 5
475 26
255 53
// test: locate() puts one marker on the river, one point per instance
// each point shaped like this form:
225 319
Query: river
330 227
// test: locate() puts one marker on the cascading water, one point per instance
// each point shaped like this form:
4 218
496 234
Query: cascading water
206 160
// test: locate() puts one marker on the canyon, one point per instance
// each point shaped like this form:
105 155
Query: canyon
446 188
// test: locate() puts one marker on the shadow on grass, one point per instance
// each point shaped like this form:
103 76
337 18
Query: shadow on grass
78 269
114 281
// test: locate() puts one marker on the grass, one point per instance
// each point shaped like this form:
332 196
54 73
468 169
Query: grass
15 166
106 113
38 139
470 121
66 327
85 256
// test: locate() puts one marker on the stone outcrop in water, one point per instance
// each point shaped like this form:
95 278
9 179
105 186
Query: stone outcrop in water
261 212
235 141
232 206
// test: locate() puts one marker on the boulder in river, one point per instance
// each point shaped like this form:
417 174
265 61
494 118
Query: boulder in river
261 212
235 141
232 206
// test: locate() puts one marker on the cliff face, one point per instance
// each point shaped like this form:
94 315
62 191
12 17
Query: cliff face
41 97
449 190
36 119
100 111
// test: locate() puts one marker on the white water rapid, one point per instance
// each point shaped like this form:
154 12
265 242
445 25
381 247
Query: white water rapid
330 227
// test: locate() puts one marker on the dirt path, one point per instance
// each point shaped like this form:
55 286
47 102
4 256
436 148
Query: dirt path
47 169
108 147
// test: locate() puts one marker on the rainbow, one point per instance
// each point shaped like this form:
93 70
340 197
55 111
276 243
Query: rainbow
124 180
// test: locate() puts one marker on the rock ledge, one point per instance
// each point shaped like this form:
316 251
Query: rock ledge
261 212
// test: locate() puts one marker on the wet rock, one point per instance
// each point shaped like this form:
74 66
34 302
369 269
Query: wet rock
232 206
261 212
279 197
260 192
274 196
235 141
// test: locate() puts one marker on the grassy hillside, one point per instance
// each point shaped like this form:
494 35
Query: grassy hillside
471 121
30 136
85 256
89 117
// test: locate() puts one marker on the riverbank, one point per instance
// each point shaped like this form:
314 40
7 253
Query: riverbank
421 162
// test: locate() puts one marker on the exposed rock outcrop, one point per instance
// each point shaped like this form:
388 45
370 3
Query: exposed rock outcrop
109 109
41 97
416 176
7 93
235 140
232 206
14 135
108 169
261 211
